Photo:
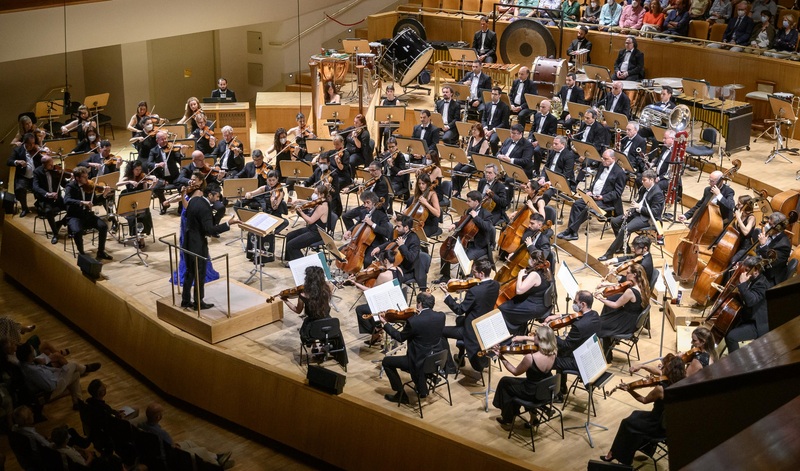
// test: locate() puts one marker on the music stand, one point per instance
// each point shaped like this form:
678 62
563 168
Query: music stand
487 97
452 154
412 146
577 110
134 204
354 46
464 130
534 100
784 114
260 225
467 55
335 114
623 162
658 132
460 91
502 134
391 115
593 211
96 103
696 90
545 141
437 120
70 161
615 120
316 146
513 171
330 244
235 188
47 110
481 161
563 194
296 170
600 75
244 215
585 150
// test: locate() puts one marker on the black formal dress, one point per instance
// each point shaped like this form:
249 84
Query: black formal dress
637 430
422 334
199 225
510 388
478 300
619 321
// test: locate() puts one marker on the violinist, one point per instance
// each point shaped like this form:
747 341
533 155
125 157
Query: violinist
301 132
135 179
752 285
102 162
415 263
192 108
536 367
321 172
79 198
386 127
780 243
477 144
26 158
703 341
395 162
81 123
145 140
222 91
480 245
203 136
26 125
316 216
560 160
717 192
490 182
314 302
163 163
341 172
356 141
256 169
369 326
47 183
451 112
268 198
640 215
137 122
477 301
640 247
369 214
621 311
228 153
89 142
284 150
639 428
429 203
426 131
529 300
581 329
517 150
213 176
423 336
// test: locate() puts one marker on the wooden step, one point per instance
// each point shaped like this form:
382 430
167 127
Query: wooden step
303 78
362 33
297 87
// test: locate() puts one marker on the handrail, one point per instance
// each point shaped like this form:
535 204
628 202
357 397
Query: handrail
315 25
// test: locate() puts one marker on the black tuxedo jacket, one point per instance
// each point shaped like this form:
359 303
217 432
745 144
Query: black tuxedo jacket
422 334
229 93
575 97
564 164
783 248
249 171
500 118
453 113
486 228
638 142
550 125
655 201
646 263
635 64
499 198
542 242
613 188
726 203
528 87
577 44
41 188
522 155
489 45
477 301
484 83
73 196
199 225
597 136
431 135
19 154
753 294
235 163
623 105
173 160
580 331
409 250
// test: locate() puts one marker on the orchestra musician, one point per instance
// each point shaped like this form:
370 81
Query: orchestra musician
451 112
144 140
26 125
480 245
606 190
744 221
477 82
495 115
89 142
79 198
284 150
583 328
339 160
426 131
192 108
395 164
630 62
780 244
641 427
386 127
752 286
490 182
380 185
81 124
535 202
431 203
717 192
357 142
211 176
164 164
621 312
228 153
135 179
269 199
485 42
222 91
617 101
544 122
477 144
26 158
369 325
322 171
530 299
256 169
537 240
571 92
98 162
633 146
301 132
643 211
592 131
477 301
580 42
560 160
318 216
665 103
705 354
522 86
422 334
369 214
203 136
314 302
47 184
639 247
662 164
517 150
415 263
135 123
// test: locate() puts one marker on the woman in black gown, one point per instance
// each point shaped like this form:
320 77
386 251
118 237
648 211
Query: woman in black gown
314 302
529 301
621 311
639 428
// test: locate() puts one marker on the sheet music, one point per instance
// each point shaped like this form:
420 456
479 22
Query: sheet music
386 296
463 259
298 267
263 221
491 329
568 280
590 359
669 277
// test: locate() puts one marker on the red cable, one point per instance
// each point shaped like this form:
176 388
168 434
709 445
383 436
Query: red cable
339 22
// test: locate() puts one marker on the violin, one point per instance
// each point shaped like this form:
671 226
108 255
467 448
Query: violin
59 170
95 187
111 160
460 285
513 350
206 132
209 171
565 320
172 146
393 315
650 382
311 204
288 293
367 276
627 264
616 289
357 186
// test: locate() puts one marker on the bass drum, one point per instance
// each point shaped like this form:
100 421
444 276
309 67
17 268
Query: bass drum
549 75
406 56
524 40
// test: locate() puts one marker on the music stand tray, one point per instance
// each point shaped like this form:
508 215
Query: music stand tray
109 179
463 54
96 102
133 204
49 109
615 120
303 193
534 100
502 134
586 150
412 146
237 187
452 154
481 161
460 91
545 141
296 169
514 171
598 73
315 146
330 244
437 120
623 162
487 97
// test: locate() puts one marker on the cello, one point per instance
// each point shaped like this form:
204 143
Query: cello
518 259
511 236
417 211
466 230
509 289
356 249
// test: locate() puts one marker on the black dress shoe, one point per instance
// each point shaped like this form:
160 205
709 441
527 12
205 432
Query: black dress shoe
187 304
604 257
502 421
54 240
607 460
564 234
396 398
206 305
23 213
104 256
570 237
92 367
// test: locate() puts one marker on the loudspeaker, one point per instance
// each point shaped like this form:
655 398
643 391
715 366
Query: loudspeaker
595 465
89 266
325 380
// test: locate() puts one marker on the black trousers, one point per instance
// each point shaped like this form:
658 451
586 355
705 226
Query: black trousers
22 186
50 208
89 221
390 365
189 278
579 213
635 223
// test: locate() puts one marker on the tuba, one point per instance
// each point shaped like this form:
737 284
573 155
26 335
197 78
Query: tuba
676 119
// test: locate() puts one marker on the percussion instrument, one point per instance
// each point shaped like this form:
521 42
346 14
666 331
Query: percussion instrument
549 75
675 82
784 96
406 56
376 48
367 60
589 86
333 68
525 39
732 118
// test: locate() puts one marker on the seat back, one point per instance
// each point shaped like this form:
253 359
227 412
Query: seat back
545 388
653 280
121 432
434 362
149 447
717 31
640 321
791 267
709 135
23 451
471 6
325 329
451 6
550 214
698 29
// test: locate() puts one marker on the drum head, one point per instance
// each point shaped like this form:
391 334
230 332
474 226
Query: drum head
412 23
524 40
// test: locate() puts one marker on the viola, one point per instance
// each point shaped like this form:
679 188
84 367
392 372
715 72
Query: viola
94 187
368 276
206 132
513 350
356 249
566 320
460 285
616 289
171 146
623 267
393 315
650 382
311 204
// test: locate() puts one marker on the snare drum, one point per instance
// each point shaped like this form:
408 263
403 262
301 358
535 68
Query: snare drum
549 75
367 60
784 96
405 56
376 48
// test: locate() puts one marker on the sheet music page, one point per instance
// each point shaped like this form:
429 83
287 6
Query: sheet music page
491 329
298 267
386 296
669 277
590 359
463 259
568 280
263 221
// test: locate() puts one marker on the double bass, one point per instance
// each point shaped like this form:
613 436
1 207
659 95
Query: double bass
360 240
466 230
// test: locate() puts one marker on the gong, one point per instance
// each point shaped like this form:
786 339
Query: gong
412 23
524 40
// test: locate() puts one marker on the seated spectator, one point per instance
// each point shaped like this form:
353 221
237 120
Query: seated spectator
571 10
739 29
609 15
697 10
98 412
763 33
760 6
591 14
53 381
524 8
60 436
632 16
654 17
677 20
786 36
13 330
720 11
155 412
23 423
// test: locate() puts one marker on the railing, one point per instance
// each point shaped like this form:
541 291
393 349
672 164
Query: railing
316 25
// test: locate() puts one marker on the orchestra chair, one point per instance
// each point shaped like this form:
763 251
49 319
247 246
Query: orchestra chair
631 340
717 31
540 408
698 29
179 460
410 285
451 6
704 153
653 280
71 234
435 374
656 450
40 216
487 6
328 343
121 433
430 5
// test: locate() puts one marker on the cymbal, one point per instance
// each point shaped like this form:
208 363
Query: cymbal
734 86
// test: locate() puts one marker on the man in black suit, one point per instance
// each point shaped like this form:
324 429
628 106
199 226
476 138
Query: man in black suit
571 92
256 168
718 193
580 331
740 29
778 243
752 286
414 264
661 163
395 164
485 42
517 150
647 207
617 101
423 336
229 157
606 190
543 122
96 163
199 225
451 112
522 86
375 218
47 184
491 182
535 238
581 42
478 300
664 104
495 115
222 91
198 163
80 216
480 245
639 246
630 62
163 165
477 82
592 132
26 158
426 131
560 160
633 146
